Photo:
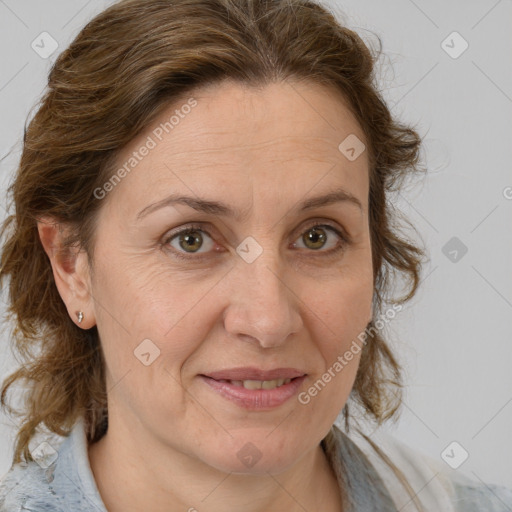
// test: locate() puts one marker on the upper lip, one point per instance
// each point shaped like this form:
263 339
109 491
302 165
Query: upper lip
249 373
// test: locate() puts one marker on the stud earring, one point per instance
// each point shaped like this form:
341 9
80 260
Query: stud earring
80 316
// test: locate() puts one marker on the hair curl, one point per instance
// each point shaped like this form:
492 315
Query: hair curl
123 69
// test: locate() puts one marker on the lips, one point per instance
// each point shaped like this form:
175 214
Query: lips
254 388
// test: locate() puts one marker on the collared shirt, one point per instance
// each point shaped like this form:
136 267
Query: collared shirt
61 479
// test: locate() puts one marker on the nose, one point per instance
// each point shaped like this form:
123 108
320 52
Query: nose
263 308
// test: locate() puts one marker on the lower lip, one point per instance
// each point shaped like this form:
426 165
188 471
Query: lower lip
255 399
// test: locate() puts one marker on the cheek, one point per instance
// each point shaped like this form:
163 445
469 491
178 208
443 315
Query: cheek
149 321
346 308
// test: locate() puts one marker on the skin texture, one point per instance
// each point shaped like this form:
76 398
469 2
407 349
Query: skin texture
172 442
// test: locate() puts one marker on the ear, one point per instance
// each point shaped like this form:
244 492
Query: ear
70 270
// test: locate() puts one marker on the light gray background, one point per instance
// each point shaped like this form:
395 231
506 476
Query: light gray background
455 337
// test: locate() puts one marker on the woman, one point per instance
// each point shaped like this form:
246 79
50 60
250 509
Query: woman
201 252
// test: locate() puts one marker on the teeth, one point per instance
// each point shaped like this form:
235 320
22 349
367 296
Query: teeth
271 384
252 384
260 384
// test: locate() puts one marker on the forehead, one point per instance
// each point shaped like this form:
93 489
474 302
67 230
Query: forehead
285 137
239 116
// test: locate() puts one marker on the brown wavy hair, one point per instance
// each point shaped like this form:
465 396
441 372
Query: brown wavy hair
123 69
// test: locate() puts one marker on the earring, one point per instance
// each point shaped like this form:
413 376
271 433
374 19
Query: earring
80 316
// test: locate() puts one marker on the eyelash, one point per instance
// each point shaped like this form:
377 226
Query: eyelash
193 228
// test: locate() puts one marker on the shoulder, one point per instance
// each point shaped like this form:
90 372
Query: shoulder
473 496
431 482
28 486
58 480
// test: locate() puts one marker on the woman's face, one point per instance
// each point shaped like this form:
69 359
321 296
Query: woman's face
254 292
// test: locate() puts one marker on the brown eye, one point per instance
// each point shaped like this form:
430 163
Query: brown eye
320 237
315 238
190 240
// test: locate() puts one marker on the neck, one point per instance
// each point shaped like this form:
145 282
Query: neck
134 472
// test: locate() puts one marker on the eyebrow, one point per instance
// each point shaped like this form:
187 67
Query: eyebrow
221 209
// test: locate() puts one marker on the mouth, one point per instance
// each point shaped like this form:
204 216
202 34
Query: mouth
257 384
255 389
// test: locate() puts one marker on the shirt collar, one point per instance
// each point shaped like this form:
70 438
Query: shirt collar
73 478
361 486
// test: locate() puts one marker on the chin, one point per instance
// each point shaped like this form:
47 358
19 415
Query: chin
255 454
